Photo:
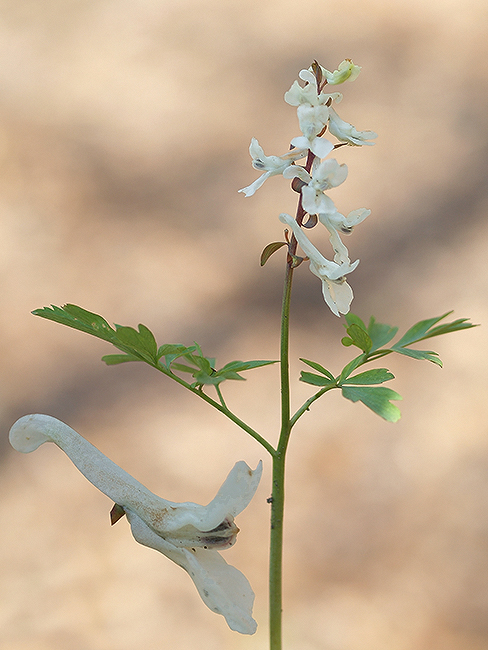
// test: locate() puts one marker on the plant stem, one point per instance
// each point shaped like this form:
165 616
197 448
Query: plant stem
278 479
221 397
306 405
220 407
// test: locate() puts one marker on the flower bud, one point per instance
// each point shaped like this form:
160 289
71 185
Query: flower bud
346 71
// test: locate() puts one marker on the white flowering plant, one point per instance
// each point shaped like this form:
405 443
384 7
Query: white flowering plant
193 535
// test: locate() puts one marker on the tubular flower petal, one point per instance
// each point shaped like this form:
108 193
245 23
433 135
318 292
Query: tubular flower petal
337 293
335 221
271 165
345 224
346 132
187 533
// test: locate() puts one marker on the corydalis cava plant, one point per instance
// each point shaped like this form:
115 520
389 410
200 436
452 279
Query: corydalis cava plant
193 535
319 175
187 533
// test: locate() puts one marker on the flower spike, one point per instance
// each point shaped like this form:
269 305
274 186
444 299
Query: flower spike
187 533
314 179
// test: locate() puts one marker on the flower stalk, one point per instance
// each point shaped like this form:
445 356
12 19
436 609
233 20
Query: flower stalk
278 477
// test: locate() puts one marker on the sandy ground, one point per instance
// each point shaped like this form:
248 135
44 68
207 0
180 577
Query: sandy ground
124 129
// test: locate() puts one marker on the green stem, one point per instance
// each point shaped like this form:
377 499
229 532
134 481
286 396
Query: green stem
278 479
220 407
221 397
306 405
279 455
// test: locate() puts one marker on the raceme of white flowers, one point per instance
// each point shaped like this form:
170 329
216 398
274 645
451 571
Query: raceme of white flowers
187 533
315 117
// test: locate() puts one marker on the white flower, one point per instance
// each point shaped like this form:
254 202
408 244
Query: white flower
337 293
319 146
187 533
335 221
312 120
346 71
313 113
346 132
271 165
345 224
308 94
325 175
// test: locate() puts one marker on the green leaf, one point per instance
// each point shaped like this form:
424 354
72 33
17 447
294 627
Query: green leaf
141 340
380 334
351 366
114 359
319 368
418 331
205 374
270 249
139 344
427 355
231 370
376 398
79 319
353 319
170 349
376 376
183 368
202 378
359 337
239 366
201 362
316 380
170 352
423 330
229 374
454 326
148 340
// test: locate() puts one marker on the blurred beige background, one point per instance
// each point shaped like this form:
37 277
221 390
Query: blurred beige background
124 129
